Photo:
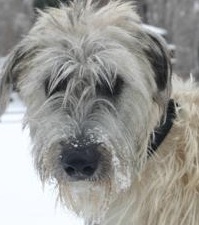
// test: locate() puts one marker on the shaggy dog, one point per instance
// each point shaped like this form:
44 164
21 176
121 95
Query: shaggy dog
110 128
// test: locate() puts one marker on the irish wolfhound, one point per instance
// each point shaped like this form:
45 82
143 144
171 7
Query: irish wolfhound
107 130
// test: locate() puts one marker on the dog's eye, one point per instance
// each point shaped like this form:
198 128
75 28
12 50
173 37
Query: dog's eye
61 86
112 90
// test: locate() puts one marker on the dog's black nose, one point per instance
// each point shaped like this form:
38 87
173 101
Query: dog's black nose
81 162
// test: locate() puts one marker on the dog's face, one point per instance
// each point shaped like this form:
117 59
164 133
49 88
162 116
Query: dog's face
95 85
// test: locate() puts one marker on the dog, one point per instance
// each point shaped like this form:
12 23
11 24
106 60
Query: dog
111 128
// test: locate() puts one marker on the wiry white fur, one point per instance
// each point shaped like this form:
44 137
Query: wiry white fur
91 46
167 190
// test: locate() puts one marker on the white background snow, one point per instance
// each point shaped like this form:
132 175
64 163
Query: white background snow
22 199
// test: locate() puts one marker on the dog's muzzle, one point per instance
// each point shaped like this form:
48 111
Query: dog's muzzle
80 161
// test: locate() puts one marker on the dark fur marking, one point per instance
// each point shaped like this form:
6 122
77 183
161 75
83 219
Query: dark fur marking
160 63
59 88
42 4
103 89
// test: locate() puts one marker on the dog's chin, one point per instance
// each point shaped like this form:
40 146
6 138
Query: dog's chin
88 199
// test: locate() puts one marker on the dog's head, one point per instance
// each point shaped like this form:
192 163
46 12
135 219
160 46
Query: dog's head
95 84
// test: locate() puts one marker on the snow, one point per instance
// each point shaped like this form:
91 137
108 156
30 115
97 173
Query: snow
22 199
157 30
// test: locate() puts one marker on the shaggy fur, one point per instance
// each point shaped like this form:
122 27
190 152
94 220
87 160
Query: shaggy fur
167 190
93 75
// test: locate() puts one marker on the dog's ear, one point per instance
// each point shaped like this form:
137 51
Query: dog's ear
9 76
157 53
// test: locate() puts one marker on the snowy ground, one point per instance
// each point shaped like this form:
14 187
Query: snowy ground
22 200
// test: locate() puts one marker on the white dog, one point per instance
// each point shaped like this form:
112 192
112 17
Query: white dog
121 147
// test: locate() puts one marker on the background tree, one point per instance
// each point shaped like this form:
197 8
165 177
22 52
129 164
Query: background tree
181 19
15 20
41 4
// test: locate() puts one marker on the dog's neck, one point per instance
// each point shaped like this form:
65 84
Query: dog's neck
161 132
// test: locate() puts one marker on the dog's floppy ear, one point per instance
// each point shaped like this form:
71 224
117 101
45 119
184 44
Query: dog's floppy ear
158 55
9 75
